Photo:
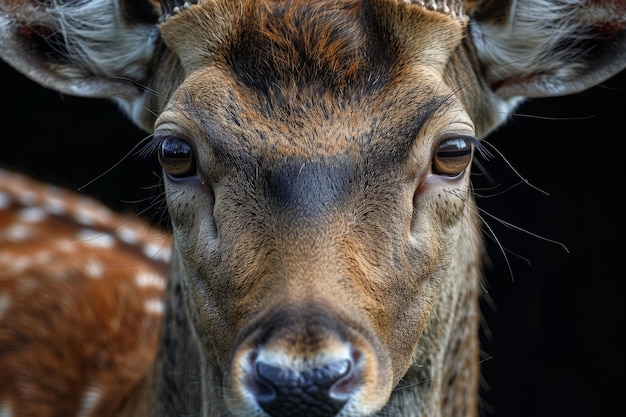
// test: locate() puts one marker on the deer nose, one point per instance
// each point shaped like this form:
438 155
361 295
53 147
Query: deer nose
319 392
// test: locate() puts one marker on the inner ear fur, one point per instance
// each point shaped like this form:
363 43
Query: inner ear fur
542 48
97 48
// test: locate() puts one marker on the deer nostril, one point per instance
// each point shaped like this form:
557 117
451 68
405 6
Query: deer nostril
319 392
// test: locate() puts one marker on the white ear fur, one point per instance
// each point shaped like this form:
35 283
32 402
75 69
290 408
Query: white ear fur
540 48
78 48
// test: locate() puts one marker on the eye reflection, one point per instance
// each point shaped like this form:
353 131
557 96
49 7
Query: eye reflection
177 157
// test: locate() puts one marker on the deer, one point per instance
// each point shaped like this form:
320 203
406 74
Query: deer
325 255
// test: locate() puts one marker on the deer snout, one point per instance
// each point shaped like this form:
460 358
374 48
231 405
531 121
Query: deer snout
321 391
308 364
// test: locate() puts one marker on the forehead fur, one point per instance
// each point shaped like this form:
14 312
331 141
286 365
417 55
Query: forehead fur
312 70
334 44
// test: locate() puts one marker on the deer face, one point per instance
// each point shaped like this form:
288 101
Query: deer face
317 193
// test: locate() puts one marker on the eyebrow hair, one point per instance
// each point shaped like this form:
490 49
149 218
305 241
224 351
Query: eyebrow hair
428 110
396 143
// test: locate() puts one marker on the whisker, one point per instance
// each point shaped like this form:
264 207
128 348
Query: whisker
551 118
116 164
512 226
499 193
491 233
517 173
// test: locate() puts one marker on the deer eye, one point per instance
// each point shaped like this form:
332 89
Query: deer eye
452 156
176 157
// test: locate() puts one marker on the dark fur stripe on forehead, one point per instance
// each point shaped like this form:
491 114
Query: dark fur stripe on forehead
321 45
281 48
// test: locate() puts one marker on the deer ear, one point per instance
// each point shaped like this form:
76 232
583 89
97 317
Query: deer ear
541 48
93 48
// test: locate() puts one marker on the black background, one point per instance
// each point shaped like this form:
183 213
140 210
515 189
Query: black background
554 345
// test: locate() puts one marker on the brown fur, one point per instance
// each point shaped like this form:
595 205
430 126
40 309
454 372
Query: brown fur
314 232
297 109
75 319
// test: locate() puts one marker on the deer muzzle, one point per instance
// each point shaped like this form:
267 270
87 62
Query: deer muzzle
307 360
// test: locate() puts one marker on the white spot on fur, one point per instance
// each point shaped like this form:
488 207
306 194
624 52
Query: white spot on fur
94 269
165 254
19 233
5 302
128 236
155 306
6 410
146 279
154 251
5 200
32 214
89 402
85 217
55 206
95 238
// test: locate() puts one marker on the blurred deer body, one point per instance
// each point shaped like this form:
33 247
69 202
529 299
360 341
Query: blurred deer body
81 301
326 246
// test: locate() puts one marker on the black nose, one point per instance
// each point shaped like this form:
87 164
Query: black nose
319 392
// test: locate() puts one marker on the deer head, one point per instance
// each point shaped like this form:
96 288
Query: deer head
316 159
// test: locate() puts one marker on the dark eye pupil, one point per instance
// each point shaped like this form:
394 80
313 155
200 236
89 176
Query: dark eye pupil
452 157
176 157
174 148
